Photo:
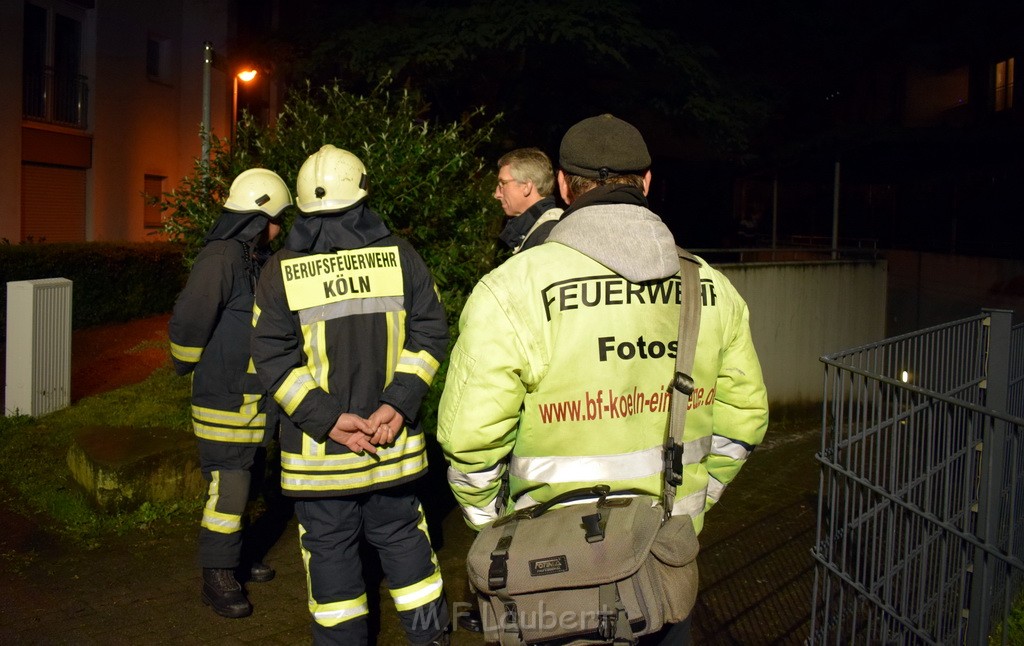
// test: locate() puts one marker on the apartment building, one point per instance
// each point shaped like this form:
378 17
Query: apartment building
103 103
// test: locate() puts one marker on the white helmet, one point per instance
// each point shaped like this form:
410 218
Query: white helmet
331 179
258 189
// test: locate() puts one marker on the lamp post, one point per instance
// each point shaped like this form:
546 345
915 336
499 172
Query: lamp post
205 134
245 76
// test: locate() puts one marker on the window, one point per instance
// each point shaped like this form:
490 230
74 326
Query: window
1004 85
53 89
157 59
153 189
34 61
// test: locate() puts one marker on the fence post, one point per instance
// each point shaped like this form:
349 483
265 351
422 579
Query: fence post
997 378
997 375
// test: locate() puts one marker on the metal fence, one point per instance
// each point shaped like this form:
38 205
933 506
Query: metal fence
920 533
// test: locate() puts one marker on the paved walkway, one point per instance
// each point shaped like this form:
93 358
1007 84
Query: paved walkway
144 588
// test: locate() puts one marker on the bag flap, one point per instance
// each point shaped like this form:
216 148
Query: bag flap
676 543
551 551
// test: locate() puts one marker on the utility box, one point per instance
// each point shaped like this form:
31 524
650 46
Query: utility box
38 346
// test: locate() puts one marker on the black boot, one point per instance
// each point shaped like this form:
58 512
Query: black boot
444 639
471 621
223 593
260 572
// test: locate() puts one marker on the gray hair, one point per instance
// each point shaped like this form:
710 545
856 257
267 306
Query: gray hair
530 165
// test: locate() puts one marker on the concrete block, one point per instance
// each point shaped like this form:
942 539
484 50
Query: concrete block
120 468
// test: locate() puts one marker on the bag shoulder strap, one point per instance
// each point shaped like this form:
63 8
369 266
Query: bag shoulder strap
682 381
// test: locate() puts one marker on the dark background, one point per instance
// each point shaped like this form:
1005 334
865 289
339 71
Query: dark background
735 100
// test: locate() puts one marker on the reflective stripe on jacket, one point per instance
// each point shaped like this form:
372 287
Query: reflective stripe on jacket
345 332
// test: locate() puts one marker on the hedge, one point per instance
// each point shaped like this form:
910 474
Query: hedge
111 282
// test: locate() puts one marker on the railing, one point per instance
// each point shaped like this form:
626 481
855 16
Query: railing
791 253
820 242
920 534
797 248
56 98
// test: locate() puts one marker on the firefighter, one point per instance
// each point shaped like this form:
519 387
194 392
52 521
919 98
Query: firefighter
349 333
233 420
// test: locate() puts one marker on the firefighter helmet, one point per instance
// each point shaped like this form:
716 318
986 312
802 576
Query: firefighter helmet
331 179
258 189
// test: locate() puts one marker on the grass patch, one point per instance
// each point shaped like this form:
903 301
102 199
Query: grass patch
33 456
1014 626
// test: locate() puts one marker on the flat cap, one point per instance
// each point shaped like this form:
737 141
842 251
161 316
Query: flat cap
603 146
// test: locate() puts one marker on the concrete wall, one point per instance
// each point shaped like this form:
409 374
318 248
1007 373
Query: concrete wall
927 289
801 311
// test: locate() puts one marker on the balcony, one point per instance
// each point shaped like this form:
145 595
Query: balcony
50 96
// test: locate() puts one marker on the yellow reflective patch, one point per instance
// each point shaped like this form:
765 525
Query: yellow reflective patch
312 281
186 354
221 523
420 593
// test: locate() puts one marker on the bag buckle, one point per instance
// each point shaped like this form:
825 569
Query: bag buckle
673 463
592 523
683 383
497 573
511 617
606 623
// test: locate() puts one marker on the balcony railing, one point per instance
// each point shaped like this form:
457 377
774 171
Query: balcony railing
57 98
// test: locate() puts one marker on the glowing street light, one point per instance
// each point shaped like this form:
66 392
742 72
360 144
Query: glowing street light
245 76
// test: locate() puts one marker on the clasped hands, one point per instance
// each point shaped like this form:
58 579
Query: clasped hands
366 434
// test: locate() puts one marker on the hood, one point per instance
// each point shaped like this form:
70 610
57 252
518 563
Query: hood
232 225
327 231
620 232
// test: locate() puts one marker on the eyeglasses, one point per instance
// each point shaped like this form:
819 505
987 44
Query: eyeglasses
503 182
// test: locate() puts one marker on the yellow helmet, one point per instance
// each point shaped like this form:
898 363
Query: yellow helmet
258 189
331 179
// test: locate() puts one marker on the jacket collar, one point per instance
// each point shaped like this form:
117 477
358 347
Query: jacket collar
517 227
329 231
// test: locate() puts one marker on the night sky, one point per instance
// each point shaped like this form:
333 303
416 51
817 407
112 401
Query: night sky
724 92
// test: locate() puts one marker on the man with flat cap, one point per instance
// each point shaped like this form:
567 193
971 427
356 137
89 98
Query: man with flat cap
552 340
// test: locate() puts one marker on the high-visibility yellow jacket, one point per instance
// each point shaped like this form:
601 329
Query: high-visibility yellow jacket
345 330
560 376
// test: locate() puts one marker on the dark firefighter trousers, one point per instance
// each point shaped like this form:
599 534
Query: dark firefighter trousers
392 522
227 469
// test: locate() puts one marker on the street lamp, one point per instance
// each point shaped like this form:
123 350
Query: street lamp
207 65
245 76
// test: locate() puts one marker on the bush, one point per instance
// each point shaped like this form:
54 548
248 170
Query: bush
112 282
425 180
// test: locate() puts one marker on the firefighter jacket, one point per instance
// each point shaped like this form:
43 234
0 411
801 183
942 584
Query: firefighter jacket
560 375
347 318
209 333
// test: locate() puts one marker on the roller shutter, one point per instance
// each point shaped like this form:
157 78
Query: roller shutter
52 203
